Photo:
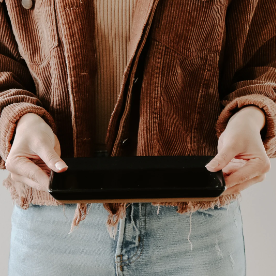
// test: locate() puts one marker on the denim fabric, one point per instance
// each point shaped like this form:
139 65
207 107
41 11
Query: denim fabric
204 243
151 240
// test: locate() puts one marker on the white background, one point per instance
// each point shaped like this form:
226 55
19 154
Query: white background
258 206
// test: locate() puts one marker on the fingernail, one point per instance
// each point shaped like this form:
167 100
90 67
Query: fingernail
213 164
60 165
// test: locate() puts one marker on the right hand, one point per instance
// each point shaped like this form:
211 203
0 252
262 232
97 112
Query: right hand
34 153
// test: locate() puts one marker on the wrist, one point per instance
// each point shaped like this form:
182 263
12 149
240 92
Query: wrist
251 115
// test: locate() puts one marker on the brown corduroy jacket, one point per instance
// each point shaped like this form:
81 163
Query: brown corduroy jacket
191 65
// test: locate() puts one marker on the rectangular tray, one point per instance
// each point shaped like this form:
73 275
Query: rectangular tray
136 179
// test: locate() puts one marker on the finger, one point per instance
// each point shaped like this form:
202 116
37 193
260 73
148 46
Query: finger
44 149
24 167
240 187
224 156
29 182
254 167
233 165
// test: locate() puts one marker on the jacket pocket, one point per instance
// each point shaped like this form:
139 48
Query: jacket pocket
188 103
207 109
35 29
190 27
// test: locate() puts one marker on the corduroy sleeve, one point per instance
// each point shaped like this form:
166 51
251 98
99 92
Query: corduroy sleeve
17 91
248 71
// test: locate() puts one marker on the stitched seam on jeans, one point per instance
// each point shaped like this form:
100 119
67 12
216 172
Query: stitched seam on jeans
128 260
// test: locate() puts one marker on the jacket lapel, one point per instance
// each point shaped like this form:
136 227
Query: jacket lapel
140 17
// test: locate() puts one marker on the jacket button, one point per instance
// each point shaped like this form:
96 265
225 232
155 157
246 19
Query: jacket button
125 142
27 4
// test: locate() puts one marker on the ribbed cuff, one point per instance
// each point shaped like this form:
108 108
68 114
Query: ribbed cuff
8 121
261 101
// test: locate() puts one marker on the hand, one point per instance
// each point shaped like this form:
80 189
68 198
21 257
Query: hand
241 153
34 153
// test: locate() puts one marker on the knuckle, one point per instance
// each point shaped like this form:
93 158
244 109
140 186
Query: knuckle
40 187
48 155
236 189
12 176
223 156
33 176
267 166
243 178
262 177
10 164
51 157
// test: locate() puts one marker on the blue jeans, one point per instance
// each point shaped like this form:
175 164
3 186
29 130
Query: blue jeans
150 241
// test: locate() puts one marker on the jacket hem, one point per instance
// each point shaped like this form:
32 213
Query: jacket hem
24 195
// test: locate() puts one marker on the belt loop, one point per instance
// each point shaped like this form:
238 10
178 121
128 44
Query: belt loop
131 215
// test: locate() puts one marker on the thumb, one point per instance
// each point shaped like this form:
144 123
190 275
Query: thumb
52 159
60 165
224 156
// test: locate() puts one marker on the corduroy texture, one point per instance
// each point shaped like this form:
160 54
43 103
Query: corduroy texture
113 23
190 66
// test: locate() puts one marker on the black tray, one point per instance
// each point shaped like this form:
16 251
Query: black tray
136 179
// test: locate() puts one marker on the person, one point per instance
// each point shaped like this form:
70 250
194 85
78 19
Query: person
86 78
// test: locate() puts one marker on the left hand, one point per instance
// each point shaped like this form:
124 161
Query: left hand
241 153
